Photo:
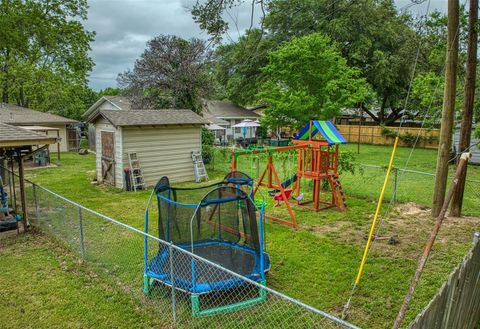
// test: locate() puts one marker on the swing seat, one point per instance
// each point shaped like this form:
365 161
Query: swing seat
279 197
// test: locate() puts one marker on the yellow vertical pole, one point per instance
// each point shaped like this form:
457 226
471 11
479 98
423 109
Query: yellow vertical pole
377 212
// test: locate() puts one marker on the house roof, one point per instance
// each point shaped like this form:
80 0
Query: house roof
226 110
17 115
150 117
12 136
122 102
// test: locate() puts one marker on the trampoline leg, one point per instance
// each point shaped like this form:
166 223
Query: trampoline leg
195 305
262 297
146 284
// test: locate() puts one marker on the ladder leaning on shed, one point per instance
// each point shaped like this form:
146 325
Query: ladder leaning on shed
136 175
199 167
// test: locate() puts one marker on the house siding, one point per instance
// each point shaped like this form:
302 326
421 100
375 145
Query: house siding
230 131
163 151
63 136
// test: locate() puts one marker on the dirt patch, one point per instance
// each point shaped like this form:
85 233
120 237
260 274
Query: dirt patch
413 224
411 209
410 223
330 227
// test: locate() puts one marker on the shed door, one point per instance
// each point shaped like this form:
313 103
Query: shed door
108 157
73 139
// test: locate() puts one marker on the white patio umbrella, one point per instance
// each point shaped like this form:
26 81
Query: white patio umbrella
247 123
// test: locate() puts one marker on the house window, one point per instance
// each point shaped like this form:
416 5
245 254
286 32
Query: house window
238 130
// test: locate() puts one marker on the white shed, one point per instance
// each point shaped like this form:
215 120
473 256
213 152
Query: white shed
162 139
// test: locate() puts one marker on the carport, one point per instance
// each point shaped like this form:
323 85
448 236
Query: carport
16 144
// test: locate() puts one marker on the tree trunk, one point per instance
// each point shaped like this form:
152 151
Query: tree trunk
381 114
445 142
5 86
469 97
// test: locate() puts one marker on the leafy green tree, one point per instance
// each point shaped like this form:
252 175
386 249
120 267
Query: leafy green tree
427 88
44 55
110 91
171 72
370 34
239 66
308 78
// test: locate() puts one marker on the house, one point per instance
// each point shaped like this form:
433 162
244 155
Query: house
41 122
409 118
227 114
162 140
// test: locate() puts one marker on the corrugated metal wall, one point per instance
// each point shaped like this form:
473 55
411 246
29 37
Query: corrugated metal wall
163 151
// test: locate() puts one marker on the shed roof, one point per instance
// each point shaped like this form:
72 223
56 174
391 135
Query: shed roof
227 109
150 117
11 136
17 115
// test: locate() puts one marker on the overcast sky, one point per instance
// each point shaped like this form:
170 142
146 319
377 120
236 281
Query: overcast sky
124 26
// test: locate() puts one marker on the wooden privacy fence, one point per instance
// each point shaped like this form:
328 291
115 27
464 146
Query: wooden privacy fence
428 138
457 304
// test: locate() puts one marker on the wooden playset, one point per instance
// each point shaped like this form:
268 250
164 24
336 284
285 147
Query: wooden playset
317 146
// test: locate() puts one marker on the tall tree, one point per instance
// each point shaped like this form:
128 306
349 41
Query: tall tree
378 41
468 104
308 78
44 54
239 66
171 72
445 142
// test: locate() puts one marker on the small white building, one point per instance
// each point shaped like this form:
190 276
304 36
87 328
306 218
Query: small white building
42 122
162 140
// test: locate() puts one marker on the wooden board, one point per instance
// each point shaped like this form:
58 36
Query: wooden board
73 139
108 157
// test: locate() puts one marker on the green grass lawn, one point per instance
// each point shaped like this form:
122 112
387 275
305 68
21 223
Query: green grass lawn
45 286
316 263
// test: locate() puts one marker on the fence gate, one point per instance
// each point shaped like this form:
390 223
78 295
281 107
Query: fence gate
73 139
108 157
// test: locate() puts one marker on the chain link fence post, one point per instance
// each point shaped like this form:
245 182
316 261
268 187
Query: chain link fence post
37 211
395 181
82 239
172 279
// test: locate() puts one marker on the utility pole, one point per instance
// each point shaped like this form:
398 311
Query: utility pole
469 97
445 142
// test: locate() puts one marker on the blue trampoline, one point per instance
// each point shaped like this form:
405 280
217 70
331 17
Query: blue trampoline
221 227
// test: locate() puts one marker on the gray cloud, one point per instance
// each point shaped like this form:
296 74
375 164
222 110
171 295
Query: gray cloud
124 26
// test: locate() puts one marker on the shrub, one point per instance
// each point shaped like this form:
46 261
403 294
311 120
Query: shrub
207 153
208 137
346 162
407 138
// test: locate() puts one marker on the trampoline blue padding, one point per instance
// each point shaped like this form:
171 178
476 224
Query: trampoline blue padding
196 276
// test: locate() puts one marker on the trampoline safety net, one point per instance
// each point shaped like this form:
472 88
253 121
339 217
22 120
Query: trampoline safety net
217 212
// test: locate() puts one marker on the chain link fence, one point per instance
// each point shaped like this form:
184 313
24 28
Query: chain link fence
405 186
116 253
